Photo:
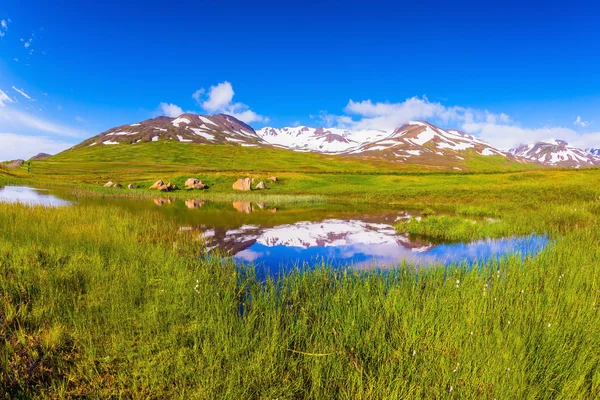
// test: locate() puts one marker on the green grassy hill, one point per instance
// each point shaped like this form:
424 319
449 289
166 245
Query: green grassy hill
147 159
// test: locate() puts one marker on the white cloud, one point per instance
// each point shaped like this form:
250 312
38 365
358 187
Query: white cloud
219 99
581 123
11 119
80 119
3 27
4 99
16 146
388 116
27 44
198 94
22 93
170 110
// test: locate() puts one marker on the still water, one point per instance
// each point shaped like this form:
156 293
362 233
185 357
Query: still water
278 238
30 196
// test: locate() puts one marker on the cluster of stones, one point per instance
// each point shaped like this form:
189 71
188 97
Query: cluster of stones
193 183
160 185
246 184
118 185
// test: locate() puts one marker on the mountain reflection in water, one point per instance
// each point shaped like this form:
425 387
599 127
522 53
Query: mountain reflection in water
361 243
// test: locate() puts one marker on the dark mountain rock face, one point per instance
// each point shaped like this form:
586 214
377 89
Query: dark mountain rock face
187 128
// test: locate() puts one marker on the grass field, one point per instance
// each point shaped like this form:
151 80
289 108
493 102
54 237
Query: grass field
100 302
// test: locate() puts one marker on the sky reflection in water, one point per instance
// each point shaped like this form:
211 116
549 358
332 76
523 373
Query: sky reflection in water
364 244
30 196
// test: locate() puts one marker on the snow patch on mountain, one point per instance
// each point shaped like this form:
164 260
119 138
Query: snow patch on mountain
557 153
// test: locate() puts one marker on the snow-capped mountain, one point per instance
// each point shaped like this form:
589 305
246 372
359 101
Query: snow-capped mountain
415 139
595 152
557 153
418 138
322 140
189 128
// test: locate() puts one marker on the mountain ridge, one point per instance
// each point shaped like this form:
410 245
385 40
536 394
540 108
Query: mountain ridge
415 142
556 153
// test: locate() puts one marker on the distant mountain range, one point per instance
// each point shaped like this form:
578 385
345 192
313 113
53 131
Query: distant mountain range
416 142
557 153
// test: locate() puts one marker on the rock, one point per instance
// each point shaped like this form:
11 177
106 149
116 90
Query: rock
261 185
191 182
243 206
261 205
194 203
171 186
117 186
108 184
242 184
131 186
273 179
157 185
194 183
163 188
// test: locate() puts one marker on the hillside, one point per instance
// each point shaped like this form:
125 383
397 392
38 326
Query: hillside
150 160
187 128
557 153
221 143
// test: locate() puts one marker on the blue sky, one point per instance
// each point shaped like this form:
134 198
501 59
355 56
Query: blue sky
507 71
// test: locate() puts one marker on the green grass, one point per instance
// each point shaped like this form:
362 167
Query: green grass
98 302
103 302
146 159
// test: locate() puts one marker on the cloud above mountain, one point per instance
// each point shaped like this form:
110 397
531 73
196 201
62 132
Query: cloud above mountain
219 99
170 110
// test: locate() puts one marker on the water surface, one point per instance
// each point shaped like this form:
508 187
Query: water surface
30 196
278 237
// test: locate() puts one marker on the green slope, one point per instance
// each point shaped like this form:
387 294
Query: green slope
149 158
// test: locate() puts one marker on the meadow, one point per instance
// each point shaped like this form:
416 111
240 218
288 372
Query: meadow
101 302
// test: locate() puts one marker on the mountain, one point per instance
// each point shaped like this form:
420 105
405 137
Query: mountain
322 140
415 143
411 139
40 156
557 153
189 128
595 152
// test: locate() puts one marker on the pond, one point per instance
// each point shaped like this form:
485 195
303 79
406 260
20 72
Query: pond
30 196
276 238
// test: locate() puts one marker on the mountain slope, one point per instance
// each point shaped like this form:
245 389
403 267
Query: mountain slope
595 152
187 128
557 153
416 143
418 139
322 140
